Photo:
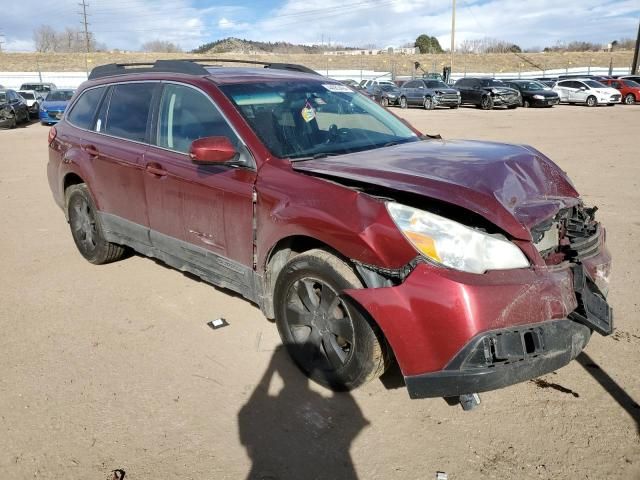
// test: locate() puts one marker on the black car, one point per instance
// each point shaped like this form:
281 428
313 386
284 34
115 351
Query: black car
487 93
534 93
428 93
13 109
384 94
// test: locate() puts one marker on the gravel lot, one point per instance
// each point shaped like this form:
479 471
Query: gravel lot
113 367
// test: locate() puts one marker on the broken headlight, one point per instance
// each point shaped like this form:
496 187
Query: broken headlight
455 245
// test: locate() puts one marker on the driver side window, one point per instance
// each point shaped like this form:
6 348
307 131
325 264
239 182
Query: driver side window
186 115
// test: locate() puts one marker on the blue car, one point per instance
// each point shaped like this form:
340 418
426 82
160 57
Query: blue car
53 106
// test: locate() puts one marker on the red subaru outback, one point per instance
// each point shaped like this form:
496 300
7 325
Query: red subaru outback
474 265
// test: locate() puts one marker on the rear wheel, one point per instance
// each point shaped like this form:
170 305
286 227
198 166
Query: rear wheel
592 101
86 228
403 102
325 333
486 103
629 99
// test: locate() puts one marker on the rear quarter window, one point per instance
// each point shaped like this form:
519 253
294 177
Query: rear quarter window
84 109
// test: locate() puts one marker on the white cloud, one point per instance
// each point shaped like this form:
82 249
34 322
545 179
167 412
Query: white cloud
128 24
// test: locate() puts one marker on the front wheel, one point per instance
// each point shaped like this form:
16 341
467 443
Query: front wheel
428 103
629 99
486 103
325 333
403 102
384 102
592 101
526 104
86 228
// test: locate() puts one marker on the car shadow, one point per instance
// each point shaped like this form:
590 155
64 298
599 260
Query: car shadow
295 432
611 386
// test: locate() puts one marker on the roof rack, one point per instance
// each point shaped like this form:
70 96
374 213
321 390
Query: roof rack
189 66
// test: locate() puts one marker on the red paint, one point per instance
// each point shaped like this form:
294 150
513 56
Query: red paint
212 150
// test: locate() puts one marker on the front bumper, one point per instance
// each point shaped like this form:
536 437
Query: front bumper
50 116
503 357
546 102
436 315
447 100
506 100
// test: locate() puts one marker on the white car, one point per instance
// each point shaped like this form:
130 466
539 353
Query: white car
586 91
33 100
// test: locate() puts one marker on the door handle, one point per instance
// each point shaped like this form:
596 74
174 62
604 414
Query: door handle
156 170
91 150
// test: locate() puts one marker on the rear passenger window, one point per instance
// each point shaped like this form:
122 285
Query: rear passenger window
129 110
187 115
84 110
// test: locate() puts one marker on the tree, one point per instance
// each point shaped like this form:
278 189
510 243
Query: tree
163 46
45 38
427 44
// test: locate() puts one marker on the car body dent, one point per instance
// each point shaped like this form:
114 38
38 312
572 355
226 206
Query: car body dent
514 187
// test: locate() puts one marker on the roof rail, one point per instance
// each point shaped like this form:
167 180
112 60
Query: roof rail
189 66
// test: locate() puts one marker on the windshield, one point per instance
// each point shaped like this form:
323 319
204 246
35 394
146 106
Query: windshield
492 82
36 87
594 84
312 118
60 96
531 86
27 95
436 84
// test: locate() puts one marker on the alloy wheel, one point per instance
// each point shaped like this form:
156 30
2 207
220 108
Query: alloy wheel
320 324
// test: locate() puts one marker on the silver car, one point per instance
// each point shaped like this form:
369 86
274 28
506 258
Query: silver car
587 91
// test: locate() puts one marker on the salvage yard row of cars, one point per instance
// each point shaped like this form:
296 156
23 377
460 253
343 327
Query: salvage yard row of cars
33 100
487 93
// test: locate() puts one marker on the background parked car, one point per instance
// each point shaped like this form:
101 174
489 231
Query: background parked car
33 99
586 91
367 83
428 94
349 82
629 89
13 108
534 93
487 93
54 106
635 78
549 82
384 94
41 87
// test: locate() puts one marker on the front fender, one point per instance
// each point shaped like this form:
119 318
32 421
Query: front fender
351 222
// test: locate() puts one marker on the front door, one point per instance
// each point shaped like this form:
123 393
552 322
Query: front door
202 214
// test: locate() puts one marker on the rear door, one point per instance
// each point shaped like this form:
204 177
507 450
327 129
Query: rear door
200 213
113 159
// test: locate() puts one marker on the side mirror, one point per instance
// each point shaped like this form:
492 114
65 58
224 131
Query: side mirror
582 89
212 150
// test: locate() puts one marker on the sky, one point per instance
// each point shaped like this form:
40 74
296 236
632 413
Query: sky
127 24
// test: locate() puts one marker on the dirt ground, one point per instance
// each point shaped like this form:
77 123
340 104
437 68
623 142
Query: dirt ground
114 367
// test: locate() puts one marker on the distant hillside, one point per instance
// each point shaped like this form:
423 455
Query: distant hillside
239 45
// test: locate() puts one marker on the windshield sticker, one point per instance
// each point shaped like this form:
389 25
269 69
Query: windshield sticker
307 112
336 87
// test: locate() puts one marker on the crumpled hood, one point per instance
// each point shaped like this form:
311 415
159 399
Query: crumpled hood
501 90
513 186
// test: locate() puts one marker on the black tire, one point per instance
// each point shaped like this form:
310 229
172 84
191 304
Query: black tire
86 229
486 103
384 102
592 101
526 104
629 99
14 121
325 333
512 107
428 103
403 102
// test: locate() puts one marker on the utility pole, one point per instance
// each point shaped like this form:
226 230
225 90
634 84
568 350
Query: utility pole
634 65
453 31
1 41
84 6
